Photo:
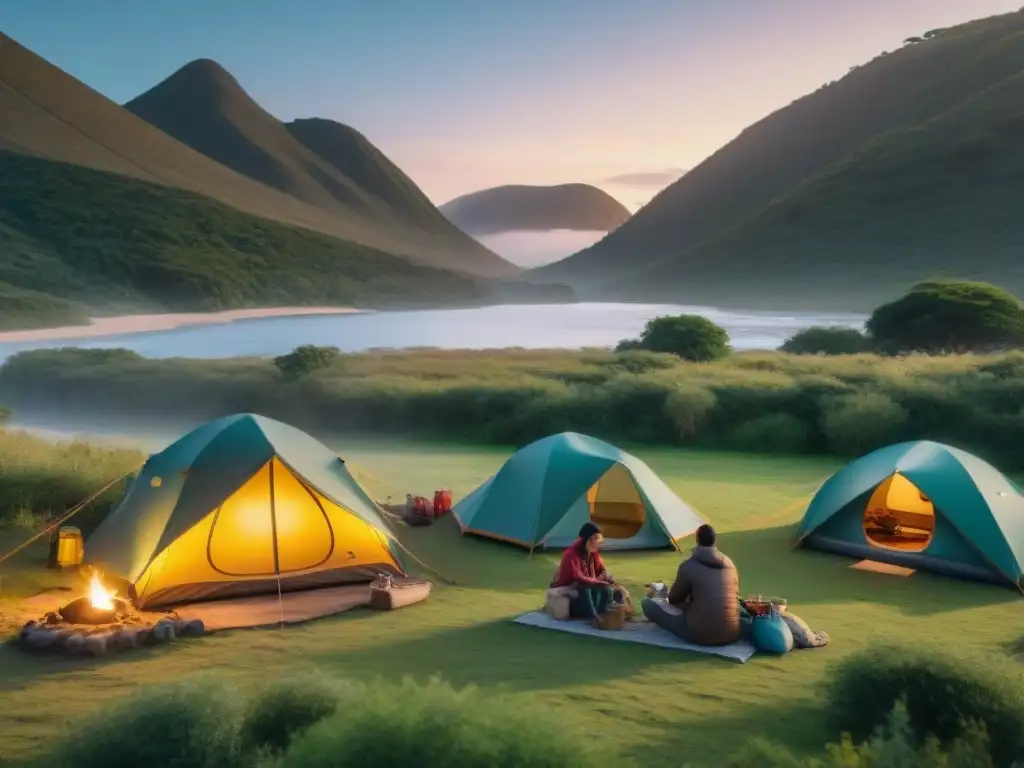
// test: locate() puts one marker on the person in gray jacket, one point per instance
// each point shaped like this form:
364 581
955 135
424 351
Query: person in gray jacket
703 604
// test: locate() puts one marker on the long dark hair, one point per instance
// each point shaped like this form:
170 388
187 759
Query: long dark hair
588 530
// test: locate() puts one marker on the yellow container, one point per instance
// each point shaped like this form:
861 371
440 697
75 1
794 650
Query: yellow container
70 547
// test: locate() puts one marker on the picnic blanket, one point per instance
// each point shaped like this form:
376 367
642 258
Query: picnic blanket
644 632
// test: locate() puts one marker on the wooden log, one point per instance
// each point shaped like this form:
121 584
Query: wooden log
98 644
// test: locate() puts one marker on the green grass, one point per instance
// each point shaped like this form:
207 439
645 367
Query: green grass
668 708
105 239
21 309
755 402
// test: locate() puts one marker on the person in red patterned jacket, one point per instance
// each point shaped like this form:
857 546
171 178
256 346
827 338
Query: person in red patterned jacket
583 569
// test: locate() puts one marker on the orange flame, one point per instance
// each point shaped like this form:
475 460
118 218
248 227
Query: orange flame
100 597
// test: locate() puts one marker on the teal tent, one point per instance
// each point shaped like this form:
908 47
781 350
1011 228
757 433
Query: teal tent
922 505
547 490
243 505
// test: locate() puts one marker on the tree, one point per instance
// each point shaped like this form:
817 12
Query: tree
690 337
818 340
949 316
306 359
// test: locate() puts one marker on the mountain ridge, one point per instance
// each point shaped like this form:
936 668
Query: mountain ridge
773 156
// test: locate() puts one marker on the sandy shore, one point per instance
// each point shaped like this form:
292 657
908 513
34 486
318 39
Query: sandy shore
115 326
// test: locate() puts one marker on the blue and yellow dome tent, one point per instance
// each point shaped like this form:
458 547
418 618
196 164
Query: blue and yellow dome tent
547 490
922 505
243 505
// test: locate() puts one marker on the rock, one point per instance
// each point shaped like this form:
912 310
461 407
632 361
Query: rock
128 637
97 645
29 627
163 631
193 628
40 639
75 644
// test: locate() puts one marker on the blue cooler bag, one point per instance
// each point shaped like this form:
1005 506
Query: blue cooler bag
771 633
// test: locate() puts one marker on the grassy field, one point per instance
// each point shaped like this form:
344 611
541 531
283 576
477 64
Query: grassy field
662 708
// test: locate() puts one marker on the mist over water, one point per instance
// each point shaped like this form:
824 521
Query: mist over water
567 326
534 249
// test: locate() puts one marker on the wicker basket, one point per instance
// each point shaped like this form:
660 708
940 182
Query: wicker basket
614 616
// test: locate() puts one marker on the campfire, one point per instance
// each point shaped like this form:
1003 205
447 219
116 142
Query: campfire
99 622
99 606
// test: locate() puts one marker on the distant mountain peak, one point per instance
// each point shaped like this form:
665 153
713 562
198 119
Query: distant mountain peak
536 208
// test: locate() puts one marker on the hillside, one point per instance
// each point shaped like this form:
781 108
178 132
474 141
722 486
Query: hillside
939 199
49 114
112 241
203 106
702 228
523 208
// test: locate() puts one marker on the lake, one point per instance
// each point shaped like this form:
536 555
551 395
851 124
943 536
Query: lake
568 326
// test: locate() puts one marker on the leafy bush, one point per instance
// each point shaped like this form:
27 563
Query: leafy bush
688 408
772 433
892 746
413 725
847 404
944 694
949 316
690 337
306 359
193 724
820 340
283 709
857 423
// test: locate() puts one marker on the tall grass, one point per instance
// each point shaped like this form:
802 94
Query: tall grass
40 479
752 401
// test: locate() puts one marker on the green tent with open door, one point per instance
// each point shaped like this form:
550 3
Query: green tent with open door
922 505
545 492
240 506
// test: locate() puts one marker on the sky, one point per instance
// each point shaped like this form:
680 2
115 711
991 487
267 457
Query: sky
469 94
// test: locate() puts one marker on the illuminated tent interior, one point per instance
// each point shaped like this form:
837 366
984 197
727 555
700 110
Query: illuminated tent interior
924 506
242 506
546 491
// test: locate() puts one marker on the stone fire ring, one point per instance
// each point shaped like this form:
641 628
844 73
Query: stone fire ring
80 629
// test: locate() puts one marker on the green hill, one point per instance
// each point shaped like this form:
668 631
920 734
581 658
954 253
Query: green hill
111 241
898 171
323 163
47 113
525 208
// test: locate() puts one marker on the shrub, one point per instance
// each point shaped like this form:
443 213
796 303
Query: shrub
690 337
412 725
306 359
943 695
857 423
193 724
643 361
892 746
284 709
771 433
688 407
949 316
820 340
